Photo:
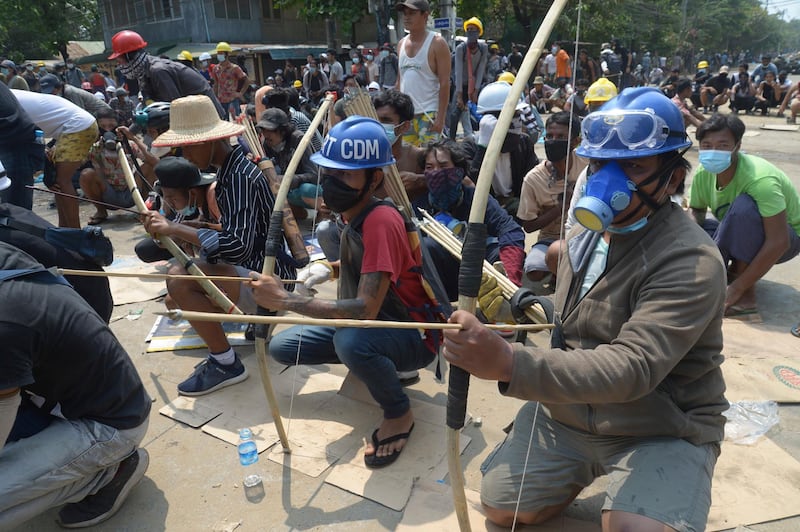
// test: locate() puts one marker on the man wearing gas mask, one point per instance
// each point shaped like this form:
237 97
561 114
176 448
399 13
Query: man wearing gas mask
631 386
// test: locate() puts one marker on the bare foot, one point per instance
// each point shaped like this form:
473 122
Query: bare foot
389 428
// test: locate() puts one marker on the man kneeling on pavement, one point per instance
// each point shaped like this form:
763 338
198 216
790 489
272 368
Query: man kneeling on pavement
73 410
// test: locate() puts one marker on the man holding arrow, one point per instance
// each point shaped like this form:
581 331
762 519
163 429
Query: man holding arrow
380 278
245 203
631 387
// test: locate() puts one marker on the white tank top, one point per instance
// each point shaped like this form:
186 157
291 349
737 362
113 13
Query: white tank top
418 80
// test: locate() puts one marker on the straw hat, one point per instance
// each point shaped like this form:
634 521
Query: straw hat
194 119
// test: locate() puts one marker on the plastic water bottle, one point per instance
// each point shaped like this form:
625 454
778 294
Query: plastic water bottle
248 455
38 175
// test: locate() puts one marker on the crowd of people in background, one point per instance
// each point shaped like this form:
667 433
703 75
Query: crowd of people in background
181 124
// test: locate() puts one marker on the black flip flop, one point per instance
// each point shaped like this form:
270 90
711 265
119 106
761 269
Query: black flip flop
373 461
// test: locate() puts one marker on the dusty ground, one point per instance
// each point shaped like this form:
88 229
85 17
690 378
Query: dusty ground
194 481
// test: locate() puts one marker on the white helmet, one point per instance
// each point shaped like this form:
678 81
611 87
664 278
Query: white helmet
494 95
205 56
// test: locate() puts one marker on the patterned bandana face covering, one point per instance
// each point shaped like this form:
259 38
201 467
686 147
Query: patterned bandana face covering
136 67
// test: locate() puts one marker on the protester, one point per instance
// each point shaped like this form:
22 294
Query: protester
74 131
74 75
280 142
245 202
159 79
792 101
20 154
123 106
72 412
50 84
446 166
599 93
640 305
389 69
683 92
104 180
743 94
470 61
716 90
768 94
230 81
424 60
755 209
379 278
12 79
545 192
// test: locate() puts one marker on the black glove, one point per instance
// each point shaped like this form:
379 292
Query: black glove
523 298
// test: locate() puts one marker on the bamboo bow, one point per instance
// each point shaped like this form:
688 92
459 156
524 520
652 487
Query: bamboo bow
474 251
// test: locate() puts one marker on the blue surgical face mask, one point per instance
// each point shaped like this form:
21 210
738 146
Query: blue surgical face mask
384 53
356 60
189 210
715 161
608 192
389 128
635 226
221 57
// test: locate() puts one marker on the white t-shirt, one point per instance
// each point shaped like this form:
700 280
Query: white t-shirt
53 114
550 64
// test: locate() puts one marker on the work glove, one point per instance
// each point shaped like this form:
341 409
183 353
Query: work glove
490 297
315 273
487 125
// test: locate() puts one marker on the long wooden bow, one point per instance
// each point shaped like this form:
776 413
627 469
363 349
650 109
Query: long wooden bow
474 251
275 243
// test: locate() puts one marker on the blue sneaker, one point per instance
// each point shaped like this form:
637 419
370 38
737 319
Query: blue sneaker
210 376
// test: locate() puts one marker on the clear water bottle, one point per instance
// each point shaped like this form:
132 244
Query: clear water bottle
38 175
248 455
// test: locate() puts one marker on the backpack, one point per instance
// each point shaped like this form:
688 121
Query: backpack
613 62
26 230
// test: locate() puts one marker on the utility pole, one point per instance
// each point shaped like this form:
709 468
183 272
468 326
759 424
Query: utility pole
447 9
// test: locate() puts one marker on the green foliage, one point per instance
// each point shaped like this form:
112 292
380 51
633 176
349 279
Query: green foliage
42 28
344 12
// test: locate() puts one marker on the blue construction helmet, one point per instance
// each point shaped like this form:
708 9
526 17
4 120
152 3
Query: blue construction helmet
354 143
640 122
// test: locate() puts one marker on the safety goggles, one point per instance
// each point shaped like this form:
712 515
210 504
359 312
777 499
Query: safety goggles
634 129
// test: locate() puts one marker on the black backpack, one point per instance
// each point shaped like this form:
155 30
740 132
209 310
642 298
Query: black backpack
25 230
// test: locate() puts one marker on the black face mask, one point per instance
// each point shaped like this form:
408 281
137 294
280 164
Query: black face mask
556 150
338 196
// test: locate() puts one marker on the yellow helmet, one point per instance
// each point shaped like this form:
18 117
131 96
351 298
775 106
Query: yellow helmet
222 46
474 21
508 77
185 55
297 84
702 64
601 90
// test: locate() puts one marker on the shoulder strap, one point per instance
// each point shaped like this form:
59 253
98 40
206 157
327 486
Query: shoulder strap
8 221
36 274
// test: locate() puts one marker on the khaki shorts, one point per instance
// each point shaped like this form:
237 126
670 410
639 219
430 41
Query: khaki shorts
663 478
74 147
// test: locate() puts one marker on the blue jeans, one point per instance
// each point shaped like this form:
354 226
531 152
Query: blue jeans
329 235
373 355
234 106
21 161
63 463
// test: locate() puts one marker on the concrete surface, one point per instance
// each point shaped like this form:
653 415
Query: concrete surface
194 480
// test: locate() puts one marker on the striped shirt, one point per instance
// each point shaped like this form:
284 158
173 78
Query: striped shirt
245 201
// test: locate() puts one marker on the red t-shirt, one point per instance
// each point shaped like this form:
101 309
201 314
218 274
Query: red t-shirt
386 249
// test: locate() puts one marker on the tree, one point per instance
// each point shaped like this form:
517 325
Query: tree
345 13
42 28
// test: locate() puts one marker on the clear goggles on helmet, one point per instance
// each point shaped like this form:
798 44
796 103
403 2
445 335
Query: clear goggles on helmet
634 129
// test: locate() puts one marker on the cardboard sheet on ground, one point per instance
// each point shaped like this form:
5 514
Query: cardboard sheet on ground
753 484
431 508
130 289
760 364
391 486
189 411
168 335
319 433
780 127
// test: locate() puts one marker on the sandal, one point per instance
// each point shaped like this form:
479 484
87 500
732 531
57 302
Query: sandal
373 461
97 220
796 330
734 311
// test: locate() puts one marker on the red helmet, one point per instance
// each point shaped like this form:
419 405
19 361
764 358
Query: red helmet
126 41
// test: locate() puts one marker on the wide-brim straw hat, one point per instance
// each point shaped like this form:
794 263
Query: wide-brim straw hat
194 119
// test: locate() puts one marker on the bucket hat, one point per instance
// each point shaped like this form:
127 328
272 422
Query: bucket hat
194 119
